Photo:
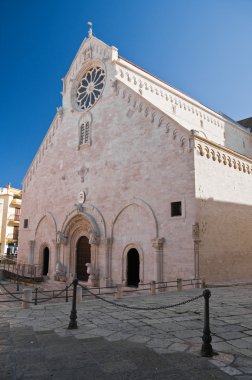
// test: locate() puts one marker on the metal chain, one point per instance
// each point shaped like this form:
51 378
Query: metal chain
13 296
51 298
47 299
142 308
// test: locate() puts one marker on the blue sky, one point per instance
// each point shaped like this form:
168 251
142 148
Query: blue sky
201 47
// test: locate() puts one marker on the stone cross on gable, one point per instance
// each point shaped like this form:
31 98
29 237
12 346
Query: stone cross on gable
90 31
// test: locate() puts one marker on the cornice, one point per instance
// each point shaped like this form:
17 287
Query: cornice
175 96
221 154
178 134
44 146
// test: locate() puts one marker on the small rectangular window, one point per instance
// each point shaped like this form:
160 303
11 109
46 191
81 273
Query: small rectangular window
25 223
176 209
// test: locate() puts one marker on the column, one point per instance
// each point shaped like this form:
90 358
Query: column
31 253
157 244
94 241
196 240
107 264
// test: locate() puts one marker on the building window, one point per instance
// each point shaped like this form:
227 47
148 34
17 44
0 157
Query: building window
26 223
176 209
90 88
85 133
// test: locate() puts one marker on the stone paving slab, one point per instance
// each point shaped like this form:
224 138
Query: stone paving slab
164 332
46 355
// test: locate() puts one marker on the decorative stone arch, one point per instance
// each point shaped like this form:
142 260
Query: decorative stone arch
35 255
80 223
138 202
42 248
124 262
89 212
50 215
155 241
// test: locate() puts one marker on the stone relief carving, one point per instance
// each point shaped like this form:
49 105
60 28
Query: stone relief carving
186 106
94 238
82 172
60 238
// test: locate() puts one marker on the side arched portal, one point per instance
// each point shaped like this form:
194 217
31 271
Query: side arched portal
133 266
45 261
83 256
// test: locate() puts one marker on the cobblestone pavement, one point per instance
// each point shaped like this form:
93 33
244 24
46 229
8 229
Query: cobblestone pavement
129 342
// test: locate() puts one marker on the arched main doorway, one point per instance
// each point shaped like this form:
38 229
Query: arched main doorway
133 264
45 261
83 256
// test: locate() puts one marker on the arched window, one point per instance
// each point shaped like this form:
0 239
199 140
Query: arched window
85 133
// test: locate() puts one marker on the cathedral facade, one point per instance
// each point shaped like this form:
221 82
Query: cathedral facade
136 181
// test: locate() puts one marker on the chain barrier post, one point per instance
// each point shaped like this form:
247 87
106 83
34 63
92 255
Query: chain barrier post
66 294
27 298
179 284
73 316
119 291
203 283
206 348
153 288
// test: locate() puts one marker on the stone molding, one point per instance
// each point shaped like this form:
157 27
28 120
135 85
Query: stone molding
51 216
61 238
91 213
142 84
90 49
158 243
153 113
222 155
46 144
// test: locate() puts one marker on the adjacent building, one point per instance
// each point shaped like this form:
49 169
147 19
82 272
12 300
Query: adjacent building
136 181
10 204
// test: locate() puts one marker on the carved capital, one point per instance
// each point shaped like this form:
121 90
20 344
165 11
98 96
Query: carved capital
196 232
94 238
158 243
61 239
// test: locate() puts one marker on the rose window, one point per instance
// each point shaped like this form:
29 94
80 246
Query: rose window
90 87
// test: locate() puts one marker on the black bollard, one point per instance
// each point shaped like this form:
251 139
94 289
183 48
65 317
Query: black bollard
17 282
206 349
73 316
